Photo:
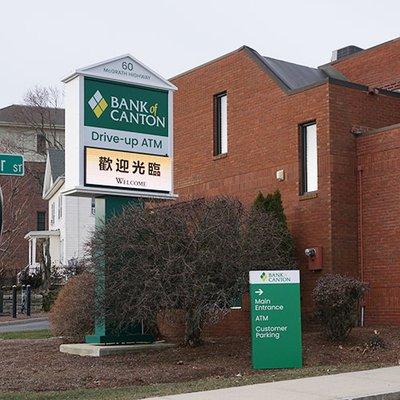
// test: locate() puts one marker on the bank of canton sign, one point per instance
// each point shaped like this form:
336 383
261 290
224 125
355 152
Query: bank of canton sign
275 319
125 124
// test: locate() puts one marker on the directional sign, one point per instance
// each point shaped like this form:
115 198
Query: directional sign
12 164
275 319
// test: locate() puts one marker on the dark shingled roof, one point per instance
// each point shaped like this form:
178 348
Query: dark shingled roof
20 114
294 76
57 163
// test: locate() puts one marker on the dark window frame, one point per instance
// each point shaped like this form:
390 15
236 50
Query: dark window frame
303 155
217 123
41 144
39 221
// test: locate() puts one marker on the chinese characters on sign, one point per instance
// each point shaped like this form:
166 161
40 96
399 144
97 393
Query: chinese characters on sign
122 165
127 170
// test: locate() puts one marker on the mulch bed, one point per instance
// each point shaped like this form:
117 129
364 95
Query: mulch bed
37 365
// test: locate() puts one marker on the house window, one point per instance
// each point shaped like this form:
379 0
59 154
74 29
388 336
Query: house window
41 221
59 207
309 158
221 124
53 213
41 143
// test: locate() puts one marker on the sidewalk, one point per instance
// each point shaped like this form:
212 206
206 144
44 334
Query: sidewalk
368 385
16 321
21 325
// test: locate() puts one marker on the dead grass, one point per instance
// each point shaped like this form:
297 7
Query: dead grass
37 366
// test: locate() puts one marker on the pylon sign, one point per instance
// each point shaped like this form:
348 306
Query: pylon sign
275 319
119 130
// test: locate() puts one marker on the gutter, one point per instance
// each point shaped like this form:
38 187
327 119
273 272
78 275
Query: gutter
361 233
54 188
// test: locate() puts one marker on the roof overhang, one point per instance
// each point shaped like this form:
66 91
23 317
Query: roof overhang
110 69
54 188
41 234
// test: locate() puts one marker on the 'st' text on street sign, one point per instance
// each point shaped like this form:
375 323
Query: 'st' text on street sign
275 319
12 164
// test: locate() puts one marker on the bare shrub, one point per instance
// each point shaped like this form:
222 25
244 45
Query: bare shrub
192 256
72 314
336 298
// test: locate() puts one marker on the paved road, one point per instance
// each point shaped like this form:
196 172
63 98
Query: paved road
29 325
374 384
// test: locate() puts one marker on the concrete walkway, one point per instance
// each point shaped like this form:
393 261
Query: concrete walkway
33 324
368 385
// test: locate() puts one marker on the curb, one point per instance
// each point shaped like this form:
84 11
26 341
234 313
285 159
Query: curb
24 321
381 396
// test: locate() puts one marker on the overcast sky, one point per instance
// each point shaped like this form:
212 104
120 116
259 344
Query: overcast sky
44 40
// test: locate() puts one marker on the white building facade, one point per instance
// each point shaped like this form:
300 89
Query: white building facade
71 220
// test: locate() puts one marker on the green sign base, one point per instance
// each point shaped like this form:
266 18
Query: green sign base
106 208
120 339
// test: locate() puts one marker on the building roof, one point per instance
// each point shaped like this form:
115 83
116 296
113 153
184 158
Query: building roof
57 163
21 114
295 76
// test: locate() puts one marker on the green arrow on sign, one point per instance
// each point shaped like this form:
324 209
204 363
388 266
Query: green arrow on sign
12 164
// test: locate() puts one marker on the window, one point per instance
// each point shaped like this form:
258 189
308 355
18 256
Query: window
41 143
221 124
59 207
53 213
309 158
41 221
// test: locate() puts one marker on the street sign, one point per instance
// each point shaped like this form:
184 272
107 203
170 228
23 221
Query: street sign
12 164
275 319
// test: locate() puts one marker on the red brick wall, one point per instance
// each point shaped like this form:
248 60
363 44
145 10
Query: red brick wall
236 323
378 66
379 159
23 205
263 137
349 107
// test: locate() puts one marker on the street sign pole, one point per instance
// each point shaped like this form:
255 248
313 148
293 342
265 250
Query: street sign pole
275 319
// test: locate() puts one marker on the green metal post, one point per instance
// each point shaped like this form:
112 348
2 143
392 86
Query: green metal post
106 208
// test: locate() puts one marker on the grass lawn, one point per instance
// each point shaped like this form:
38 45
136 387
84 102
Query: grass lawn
140 392
38 334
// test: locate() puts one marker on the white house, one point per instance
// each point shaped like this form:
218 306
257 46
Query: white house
71 219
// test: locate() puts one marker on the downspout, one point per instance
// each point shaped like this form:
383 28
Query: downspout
360 207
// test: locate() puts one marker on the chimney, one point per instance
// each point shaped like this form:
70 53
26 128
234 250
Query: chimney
344 52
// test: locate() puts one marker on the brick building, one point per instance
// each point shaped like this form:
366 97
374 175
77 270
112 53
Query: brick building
325 137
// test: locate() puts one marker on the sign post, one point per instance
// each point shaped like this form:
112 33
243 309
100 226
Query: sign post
118 134
275 319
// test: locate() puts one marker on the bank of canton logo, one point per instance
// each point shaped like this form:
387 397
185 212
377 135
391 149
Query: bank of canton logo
264 277
98 104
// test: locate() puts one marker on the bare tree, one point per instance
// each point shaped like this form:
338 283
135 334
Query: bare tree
35 127
42 114
15 208
192 256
